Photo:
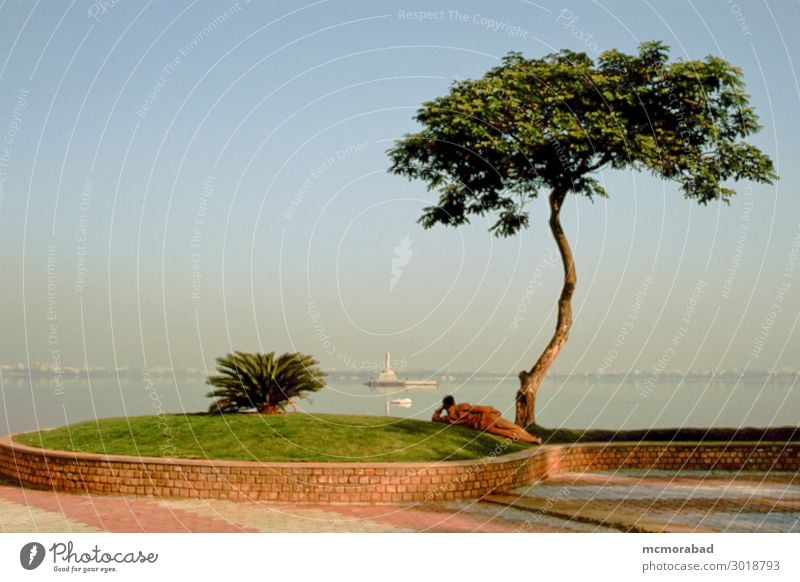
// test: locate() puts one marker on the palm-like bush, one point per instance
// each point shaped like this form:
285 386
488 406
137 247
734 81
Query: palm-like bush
265 382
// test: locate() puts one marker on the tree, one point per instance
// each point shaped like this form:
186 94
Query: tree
491 145
262 382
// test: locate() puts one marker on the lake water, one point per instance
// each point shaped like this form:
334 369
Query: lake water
562 402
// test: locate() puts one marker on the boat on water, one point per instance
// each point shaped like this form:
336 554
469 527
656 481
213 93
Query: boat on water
388 379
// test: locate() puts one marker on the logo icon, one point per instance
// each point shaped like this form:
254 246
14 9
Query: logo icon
402 255
31 555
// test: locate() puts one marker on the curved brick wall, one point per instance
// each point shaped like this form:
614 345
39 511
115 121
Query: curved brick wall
366 482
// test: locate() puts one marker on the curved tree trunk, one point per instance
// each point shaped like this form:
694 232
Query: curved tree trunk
530 380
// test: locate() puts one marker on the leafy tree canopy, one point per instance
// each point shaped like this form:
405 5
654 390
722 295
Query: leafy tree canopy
491 144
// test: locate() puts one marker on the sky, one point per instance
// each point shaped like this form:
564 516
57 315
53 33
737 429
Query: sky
180 180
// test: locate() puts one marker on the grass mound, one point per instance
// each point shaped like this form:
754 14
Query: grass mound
283 437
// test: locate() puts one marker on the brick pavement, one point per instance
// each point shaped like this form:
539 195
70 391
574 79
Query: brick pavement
44 511
664 501
649 501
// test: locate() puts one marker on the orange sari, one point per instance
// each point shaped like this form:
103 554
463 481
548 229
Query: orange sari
484 418
465 414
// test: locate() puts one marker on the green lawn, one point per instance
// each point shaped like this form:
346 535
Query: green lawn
745 434
285 437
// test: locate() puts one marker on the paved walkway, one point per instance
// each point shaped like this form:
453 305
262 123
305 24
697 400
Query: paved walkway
665 501
42 511
690 501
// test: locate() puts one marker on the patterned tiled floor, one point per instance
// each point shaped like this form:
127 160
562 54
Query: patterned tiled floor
689 501
40 511
668 501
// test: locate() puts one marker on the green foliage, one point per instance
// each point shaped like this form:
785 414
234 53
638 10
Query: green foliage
491 144
781 434
262 381
278 437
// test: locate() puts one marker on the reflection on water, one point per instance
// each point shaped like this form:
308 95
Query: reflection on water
567 402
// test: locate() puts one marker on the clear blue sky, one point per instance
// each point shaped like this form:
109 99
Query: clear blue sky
207 176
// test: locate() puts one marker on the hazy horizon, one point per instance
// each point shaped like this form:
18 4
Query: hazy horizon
180 181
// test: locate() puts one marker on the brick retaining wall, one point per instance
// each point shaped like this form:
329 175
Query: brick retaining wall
303 482
682 456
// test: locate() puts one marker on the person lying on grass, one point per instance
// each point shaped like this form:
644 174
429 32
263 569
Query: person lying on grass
483 418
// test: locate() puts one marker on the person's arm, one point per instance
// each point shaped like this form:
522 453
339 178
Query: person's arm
437 415
461 414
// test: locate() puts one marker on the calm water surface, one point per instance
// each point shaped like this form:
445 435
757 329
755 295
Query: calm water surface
572 403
